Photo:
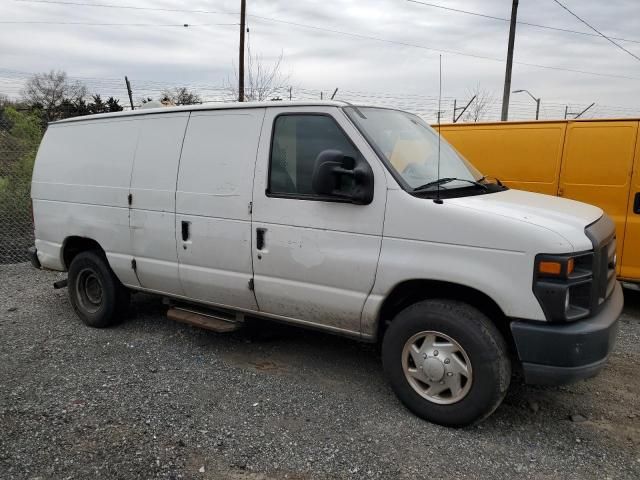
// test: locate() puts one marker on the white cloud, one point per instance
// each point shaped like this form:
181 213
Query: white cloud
321 60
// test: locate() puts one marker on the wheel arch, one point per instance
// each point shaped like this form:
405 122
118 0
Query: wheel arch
409 292
74 244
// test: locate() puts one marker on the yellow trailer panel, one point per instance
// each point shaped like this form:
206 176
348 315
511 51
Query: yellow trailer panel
587 160
631 255
526 156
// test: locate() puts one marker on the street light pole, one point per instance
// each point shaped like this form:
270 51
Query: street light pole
535 99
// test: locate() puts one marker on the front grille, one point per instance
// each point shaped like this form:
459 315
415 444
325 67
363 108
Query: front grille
602 235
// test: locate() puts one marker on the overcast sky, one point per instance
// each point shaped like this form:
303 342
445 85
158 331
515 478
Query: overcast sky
316 59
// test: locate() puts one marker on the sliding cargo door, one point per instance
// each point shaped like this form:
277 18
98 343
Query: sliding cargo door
596 168
631 253
213 214
152 201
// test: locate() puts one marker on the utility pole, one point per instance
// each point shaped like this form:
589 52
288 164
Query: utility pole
126 80
243 11
507 75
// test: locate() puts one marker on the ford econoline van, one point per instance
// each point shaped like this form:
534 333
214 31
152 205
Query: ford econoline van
354 220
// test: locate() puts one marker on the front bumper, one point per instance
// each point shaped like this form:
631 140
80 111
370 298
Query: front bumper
553 354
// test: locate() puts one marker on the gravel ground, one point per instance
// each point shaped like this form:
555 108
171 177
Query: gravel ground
155 399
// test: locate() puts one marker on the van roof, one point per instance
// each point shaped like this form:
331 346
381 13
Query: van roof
208 106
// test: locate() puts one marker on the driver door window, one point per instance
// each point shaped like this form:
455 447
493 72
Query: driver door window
297 141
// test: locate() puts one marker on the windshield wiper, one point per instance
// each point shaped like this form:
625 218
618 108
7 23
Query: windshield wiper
442 181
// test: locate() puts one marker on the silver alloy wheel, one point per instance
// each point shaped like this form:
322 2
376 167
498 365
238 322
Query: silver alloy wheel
437 367
89 290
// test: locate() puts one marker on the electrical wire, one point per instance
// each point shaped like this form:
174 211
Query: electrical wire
127 7
503 19
90 24
439 50
220 12
597 31
349 34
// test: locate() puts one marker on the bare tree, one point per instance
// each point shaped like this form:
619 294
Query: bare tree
180 96
51 90
481 105
263 81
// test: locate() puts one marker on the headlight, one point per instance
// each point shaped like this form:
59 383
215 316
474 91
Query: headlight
562 285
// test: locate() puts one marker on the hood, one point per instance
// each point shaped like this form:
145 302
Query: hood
568 218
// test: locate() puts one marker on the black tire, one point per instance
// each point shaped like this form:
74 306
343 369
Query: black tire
483 344
97 296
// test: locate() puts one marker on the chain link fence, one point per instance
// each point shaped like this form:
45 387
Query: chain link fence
20 134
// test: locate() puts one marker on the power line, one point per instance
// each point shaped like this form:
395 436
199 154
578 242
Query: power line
221 12
502 19
91 24
127 7
598 31
340 32
453 52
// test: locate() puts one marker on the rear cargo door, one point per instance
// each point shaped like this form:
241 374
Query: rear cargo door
630 265
596 168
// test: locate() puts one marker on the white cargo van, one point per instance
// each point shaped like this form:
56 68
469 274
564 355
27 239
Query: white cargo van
353 220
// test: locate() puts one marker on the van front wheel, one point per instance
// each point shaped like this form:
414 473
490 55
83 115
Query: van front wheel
96 295
446 362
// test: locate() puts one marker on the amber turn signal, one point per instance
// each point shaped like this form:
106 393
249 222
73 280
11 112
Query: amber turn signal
550 268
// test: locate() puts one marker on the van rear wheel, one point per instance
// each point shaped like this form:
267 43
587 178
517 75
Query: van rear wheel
96 295
446 362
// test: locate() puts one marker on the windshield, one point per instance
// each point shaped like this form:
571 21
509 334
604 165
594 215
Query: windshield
410 147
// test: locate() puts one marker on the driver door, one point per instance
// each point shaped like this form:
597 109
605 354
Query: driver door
314 258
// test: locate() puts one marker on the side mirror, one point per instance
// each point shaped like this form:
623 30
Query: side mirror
344 177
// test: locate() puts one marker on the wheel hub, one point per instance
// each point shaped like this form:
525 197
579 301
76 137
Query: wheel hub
433 368
89 290
437 367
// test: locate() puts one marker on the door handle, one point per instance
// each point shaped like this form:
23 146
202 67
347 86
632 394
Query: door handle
186 234
636 203
260 238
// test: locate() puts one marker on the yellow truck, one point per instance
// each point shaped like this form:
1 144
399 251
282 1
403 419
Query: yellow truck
594 161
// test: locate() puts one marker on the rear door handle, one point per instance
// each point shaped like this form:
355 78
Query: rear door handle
186 233
636 203
260 238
